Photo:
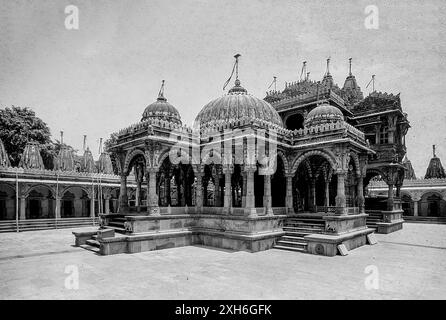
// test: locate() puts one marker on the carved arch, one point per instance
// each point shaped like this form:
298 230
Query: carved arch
308 154
131 155
25 191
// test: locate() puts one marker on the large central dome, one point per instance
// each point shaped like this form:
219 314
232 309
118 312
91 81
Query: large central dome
236 105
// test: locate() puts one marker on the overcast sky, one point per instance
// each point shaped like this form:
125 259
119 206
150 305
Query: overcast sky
99 78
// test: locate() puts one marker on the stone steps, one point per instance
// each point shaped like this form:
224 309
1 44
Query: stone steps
295 231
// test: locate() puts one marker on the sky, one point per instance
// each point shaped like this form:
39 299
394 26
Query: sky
99 78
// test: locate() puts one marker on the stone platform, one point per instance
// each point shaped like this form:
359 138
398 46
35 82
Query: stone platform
146 233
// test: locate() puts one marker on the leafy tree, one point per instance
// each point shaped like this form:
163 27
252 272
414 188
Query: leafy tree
20 125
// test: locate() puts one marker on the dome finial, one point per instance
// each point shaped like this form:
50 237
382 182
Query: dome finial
350 66
327 73
161 92
433 150
238 89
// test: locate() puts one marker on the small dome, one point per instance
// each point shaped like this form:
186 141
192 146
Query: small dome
237 104
324 113
162 110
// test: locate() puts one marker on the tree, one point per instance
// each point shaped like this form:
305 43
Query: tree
20 125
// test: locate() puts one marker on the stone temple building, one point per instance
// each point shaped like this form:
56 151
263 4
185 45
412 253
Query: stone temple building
286 171
424 199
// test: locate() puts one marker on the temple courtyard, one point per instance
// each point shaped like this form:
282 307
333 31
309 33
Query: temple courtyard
408 264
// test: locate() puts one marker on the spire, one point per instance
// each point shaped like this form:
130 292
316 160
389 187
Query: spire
31 158
61 137
328 79
435 169
4 159
161 93
350 67
303 71
327 72
85 142
237 88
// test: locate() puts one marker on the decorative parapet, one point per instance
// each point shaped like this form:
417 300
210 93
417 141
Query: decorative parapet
378 184
61 174
144 125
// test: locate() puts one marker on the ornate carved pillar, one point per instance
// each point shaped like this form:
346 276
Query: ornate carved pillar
199 190
340 193
415 208
312 200
390 197
57 209
360 192
327 193
217 191
244 189
92 203
123 198
23 208
250 207
107 204
289 193
152 197
227 201
267 201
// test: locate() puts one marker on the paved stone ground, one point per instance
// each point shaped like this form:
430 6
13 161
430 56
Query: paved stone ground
410 264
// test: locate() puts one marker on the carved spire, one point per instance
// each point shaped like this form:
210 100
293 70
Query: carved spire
435 169
4 159
31 158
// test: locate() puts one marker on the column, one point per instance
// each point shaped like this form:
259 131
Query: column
217 190
340 194
360 192
199 192
92 204
227 201
390 198
123 199
267 200
57 215
167 182
289 194
138 194
415 208
244 189
312 203
250 209
107 205
152 198
23 208
327 193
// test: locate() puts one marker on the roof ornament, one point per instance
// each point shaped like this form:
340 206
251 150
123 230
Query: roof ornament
100 146
161 92
433 150
234 68
273 83
372 81
61 137
85 142
327 72
308 76
303 71
350 66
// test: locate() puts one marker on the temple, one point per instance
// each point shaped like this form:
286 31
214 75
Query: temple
288 171
423 199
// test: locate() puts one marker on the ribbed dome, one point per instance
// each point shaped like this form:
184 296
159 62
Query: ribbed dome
162 110
87 163
324 113
237 104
